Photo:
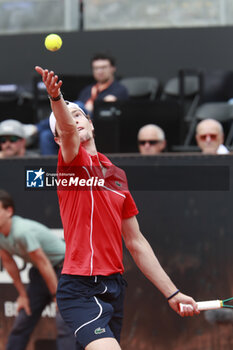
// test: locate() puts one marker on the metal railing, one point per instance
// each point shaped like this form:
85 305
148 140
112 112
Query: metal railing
38 16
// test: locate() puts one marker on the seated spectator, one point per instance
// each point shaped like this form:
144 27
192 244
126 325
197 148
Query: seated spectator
106 88
47 145
210 137
151 139
13 140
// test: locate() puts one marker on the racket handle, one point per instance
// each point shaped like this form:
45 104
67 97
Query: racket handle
204 305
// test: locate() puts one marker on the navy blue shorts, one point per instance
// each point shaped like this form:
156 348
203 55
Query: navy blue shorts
92 305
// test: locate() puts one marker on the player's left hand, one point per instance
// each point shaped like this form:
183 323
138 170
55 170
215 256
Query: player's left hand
23 303
185 299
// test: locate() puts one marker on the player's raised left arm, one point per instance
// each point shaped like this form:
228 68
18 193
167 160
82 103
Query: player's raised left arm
148 263
11 267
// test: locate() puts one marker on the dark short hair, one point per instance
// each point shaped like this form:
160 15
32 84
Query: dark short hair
104 56
7 200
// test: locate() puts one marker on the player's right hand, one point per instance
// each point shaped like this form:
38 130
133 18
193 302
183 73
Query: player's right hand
23 303
50 80
182 298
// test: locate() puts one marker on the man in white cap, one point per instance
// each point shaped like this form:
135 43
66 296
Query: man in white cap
12 139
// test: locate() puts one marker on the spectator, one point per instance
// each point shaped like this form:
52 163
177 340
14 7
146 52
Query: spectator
13 140
210 137
151 139
34 243
106 88
47 145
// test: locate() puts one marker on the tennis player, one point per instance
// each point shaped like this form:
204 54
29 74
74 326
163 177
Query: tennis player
91 289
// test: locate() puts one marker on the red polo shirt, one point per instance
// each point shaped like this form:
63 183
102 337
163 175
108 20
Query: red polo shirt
92 215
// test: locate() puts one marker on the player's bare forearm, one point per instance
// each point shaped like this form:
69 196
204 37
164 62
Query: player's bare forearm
148 263
41 261
49 276
12 269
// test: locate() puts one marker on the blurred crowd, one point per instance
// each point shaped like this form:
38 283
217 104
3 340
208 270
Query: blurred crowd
18 139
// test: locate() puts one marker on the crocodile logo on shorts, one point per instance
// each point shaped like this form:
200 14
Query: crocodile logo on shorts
99 330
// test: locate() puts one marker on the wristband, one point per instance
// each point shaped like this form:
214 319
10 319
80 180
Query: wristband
171 296
55 98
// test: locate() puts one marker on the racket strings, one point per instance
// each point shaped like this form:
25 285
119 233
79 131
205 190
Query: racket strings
227 305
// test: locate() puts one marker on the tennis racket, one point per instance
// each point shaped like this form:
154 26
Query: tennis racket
209 305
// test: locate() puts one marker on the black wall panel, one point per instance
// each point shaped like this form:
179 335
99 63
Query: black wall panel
158 52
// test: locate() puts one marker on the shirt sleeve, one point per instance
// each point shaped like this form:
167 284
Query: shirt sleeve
80 159
129 208
28 242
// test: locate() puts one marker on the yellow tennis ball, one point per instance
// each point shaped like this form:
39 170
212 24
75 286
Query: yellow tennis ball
53 42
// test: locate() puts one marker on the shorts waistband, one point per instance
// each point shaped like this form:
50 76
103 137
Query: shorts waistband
96 278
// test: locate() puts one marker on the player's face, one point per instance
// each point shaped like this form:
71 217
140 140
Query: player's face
103 71
209 138
5 215
12 146
84 126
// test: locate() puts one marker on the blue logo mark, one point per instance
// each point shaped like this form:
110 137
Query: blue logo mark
35 178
